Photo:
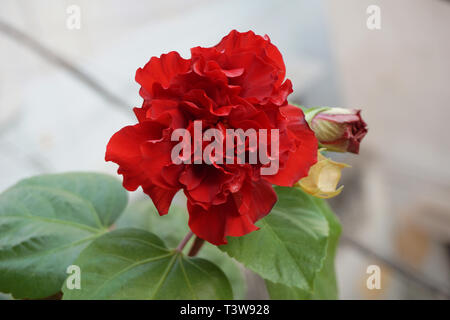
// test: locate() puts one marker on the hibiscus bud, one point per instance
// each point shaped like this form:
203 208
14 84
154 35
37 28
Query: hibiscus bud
337 129
323 178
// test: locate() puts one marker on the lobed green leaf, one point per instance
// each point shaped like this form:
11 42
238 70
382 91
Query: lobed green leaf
172 228
135 264
325 286
290 247
46 221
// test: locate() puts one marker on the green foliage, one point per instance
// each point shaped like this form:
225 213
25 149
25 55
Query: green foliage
46 221
172 228
325 286
49 222
290 247
135 264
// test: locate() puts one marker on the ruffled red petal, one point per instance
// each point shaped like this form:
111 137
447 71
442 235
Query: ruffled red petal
234 218
124 148
162 198
304 153
161 70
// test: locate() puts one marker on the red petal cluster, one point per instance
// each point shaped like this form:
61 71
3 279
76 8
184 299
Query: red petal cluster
239 83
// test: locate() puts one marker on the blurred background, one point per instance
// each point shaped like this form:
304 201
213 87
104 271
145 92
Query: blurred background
65 90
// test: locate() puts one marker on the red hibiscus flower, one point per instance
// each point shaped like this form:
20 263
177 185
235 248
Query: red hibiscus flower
239 84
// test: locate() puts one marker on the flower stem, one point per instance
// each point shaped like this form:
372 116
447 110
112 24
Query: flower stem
196 246
184 241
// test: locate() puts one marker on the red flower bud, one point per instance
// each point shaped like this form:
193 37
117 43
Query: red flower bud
337 129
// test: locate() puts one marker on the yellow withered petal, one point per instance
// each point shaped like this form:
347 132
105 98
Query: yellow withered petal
323 178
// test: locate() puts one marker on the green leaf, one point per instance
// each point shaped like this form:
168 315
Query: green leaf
291 245
172 228
46 221
311 112
325 286
135 264
229 266
103 191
